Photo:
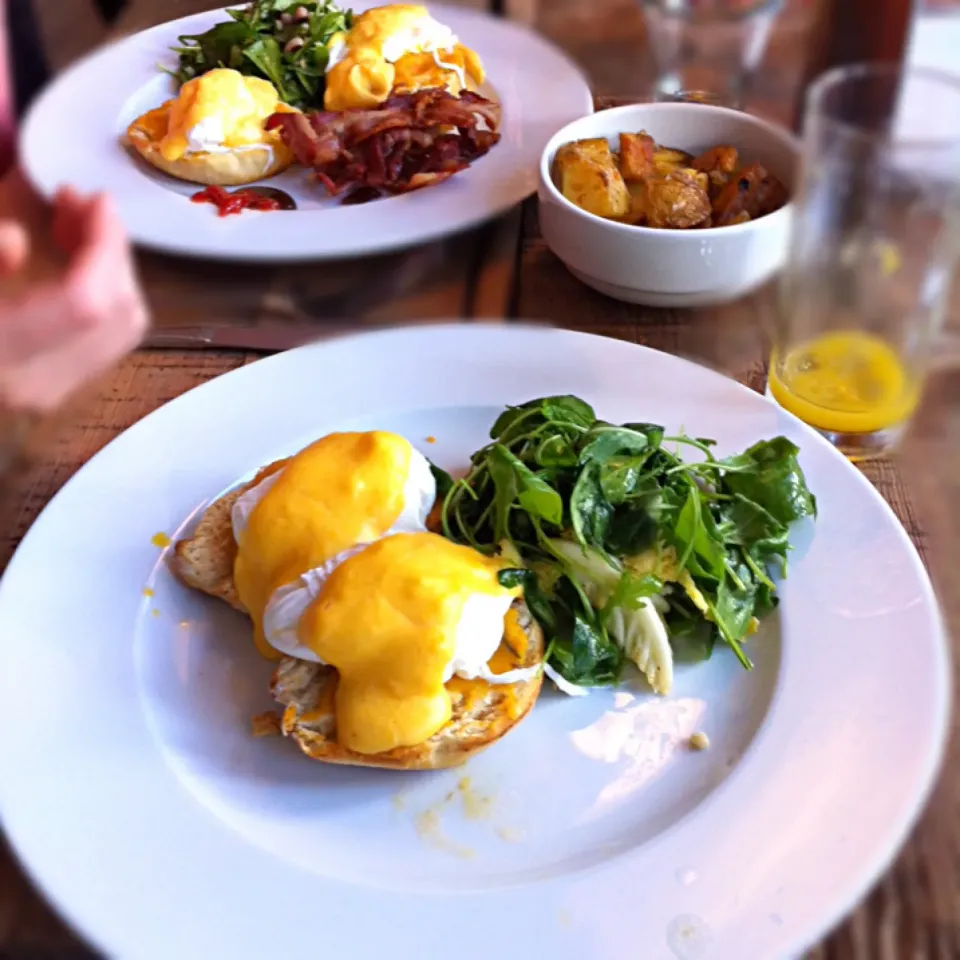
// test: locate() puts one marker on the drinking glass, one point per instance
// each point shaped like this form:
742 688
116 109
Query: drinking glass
707 50
874 242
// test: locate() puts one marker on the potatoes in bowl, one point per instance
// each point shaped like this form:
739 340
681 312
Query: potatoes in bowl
669 204
650 185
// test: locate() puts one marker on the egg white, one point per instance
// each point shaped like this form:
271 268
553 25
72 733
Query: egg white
208 135
425 35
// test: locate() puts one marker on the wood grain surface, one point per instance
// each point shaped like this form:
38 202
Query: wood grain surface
505 271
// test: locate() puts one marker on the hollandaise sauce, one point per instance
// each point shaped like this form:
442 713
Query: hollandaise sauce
220 110
397 48
345 489
388 618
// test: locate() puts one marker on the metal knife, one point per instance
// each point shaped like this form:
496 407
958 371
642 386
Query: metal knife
266 339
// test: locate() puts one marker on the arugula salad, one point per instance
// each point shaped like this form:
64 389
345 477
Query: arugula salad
283 41
626 551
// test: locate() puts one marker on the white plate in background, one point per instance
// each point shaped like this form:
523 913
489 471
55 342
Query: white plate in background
73 132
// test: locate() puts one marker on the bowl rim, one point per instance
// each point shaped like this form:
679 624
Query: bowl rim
788 139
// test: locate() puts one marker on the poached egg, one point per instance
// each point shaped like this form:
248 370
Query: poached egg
218 111
398 619
397 48
214 132
308 512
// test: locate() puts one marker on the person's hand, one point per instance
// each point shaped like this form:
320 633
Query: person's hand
57 334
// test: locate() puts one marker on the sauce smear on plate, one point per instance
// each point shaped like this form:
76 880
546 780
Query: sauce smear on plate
250 198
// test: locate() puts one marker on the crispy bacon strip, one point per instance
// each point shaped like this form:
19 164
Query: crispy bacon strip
410 141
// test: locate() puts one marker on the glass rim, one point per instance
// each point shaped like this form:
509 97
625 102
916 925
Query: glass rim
727 16
835 77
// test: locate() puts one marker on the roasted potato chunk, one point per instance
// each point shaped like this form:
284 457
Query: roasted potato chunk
637 214
667 160
590 178
698 176
647 184
723 159
598 148
675 201
754 191
636 156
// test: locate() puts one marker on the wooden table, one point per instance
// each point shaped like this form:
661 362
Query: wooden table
499 274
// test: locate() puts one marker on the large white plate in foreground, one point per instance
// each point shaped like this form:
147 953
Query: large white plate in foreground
138 799
72 135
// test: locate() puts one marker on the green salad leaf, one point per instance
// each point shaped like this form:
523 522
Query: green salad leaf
283 41
626 551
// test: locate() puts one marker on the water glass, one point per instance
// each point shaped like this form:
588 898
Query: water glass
875 240
707 50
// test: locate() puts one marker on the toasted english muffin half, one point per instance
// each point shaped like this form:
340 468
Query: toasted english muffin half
204 560
483 713
228 169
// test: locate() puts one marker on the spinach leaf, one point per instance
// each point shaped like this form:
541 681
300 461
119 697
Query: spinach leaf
733 609
769 474
568 409
747 524
555 450
590 513
264 54
508 423
596 659
632 530
513 577
538 602
604 441
515 479
586 656
652 431
505 489
559 411
218 44
442 479
695 538
691 638
732 605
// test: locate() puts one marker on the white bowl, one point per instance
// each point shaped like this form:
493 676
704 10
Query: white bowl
672 268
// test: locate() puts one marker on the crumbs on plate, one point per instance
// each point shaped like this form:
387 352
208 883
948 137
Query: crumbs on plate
160 540
266 724
699 741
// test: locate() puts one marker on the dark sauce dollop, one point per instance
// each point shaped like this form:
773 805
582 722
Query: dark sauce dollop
248 198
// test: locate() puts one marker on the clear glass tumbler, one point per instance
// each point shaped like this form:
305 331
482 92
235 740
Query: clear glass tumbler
875 239
707 50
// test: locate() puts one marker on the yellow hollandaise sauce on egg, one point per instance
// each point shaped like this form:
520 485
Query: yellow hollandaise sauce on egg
344 490
396 620
398 48
219 110
213 131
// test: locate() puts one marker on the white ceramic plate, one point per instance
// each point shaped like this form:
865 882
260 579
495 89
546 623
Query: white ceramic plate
135 794
72 135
